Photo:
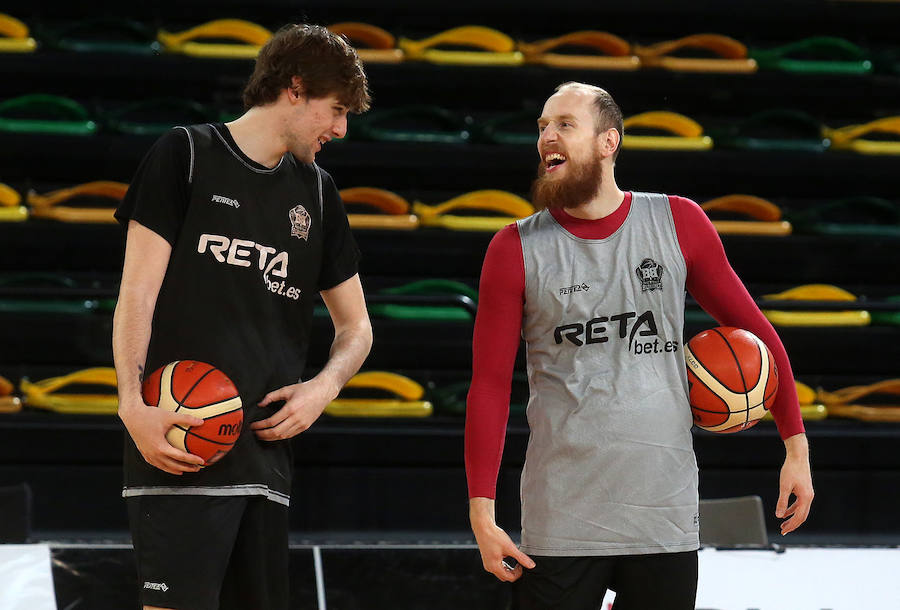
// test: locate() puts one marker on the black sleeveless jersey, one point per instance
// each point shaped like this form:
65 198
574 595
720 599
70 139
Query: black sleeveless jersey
251 247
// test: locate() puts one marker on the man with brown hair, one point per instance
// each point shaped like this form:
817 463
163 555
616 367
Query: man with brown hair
231 231
609 488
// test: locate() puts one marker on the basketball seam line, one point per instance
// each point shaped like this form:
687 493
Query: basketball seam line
194 434
218 402
775 391
196 383
705 385
759 347
741 373
159 389
696 408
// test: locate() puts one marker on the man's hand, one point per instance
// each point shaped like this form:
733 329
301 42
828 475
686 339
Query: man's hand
795 479
494 543
304 403
148 427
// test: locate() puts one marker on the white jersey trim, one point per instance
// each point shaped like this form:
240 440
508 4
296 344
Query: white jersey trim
191 145
226 490
241 159
321 198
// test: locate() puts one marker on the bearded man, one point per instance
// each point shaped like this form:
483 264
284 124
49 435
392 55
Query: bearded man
609 488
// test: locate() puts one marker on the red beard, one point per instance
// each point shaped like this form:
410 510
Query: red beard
579 187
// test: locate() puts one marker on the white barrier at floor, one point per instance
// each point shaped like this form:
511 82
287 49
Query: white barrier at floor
797 579
26 580
800 579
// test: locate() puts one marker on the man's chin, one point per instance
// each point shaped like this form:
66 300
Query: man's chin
563 192
556 172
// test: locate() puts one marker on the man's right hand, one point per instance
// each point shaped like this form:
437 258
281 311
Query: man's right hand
494 543
148 427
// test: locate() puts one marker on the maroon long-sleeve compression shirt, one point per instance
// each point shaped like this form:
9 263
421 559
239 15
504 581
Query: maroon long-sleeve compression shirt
710 280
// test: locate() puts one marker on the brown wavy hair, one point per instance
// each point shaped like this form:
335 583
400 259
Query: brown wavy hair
325 63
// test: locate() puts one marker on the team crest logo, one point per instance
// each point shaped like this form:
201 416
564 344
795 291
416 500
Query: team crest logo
650 273
300 222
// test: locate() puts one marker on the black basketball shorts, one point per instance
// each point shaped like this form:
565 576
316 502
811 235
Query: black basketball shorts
662 581
209 552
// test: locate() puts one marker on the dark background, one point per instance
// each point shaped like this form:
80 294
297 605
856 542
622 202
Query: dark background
400 475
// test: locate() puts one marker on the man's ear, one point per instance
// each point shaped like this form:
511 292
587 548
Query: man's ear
296 90
610 141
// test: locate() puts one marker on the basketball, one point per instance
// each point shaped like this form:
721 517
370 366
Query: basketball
203 391
732 379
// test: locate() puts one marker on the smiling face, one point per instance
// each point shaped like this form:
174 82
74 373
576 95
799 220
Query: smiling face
312 123
569 171
567 129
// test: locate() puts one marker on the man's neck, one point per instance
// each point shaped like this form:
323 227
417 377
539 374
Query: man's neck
253 132
605 202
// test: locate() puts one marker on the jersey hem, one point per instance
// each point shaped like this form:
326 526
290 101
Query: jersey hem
226 490
610 550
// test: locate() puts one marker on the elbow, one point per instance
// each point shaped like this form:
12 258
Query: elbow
366 334
359 332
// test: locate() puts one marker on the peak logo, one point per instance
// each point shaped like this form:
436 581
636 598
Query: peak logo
156 586
226 200
582 287
595 331
241 252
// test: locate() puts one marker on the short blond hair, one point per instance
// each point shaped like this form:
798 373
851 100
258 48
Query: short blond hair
607 114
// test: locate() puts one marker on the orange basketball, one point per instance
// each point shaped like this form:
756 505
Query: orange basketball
201 390
732 379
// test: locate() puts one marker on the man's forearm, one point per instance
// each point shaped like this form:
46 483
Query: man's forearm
797 447
348 351
481 512
146 259
131 338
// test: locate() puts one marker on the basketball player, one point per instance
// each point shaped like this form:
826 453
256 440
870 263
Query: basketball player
232 229
609 487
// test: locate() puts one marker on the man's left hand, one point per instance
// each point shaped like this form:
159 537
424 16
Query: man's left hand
304 403
795 479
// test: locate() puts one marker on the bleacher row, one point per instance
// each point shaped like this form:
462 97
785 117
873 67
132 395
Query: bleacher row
775 130
465 45
805 201
486 210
